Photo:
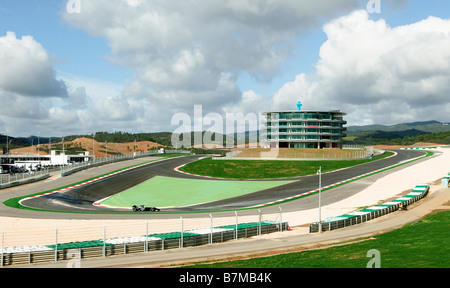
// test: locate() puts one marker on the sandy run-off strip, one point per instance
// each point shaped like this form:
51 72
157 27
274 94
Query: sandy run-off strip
22 231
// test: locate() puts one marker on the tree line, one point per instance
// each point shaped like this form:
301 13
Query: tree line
391 138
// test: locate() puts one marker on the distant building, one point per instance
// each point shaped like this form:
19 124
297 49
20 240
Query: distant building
304 129
31 162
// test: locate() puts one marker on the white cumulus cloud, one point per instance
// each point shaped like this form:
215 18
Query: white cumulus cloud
184 53
26 69
377 73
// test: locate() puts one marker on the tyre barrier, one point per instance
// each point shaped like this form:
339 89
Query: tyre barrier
445 181
367 214
421 148
132 245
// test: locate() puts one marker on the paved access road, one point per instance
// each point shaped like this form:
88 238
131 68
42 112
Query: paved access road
81 199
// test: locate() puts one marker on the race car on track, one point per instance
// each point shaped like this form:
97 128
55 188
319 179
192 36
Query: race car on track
142 208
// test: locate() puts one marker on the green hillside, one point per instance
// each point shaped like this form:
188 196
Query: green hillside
400 134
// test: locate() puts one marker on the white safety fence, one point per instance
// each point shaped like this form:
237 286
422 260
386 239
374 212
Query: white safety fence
10 180
46 241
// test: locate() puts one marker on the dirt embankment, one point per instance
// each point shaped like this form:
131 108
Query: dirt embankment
92 146
99 148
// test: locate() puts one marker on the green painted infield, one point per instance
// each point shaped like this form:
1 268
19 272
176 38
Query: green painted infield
175 192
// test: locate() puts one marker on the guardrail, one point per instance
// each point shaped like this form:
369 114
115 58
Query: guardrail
424 148
367 214
115 247
139 244
8 180
67 170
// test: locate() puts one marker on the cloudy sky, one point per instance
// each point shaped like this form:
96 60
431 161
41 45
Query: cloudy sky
81 66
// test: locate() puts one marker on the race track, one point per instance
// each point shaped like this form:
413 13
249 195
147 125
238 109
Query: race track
81 199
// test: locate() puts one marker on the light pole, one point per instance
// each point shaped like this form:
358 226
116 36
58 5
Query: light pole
38 147
319 172
7 147
5 152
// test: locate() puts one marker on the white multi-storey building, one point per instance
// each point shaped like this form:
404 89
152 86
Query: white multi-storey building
304 129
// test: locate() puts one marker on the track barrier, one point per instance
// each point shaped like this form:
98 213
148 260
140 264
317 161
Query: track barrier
67 170
139 244
8 181
425 148
367 214
445 180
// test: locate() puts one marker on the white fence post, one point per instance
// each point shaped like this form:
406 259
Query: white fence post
236 234
181 239
259 229
211 234
281 220
104 239
56 245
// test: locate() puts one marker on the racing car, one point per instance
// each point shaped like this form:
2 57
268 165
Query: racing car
142 208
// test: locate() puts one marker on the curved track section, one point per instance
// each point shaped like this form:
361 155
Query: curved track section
81 199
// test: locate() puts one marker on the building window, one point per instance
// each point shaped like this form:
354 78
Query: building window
312 137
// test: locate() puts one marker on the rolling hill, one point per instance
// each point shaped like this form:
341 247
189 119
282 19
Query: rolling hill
400 134
123 142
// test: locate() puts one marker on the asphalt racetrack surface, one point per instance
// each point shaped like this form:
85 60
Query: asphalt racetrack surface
81 199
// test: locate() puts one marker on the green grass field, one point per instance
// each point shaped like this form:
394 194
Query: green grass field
175 192
423 244
267 169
